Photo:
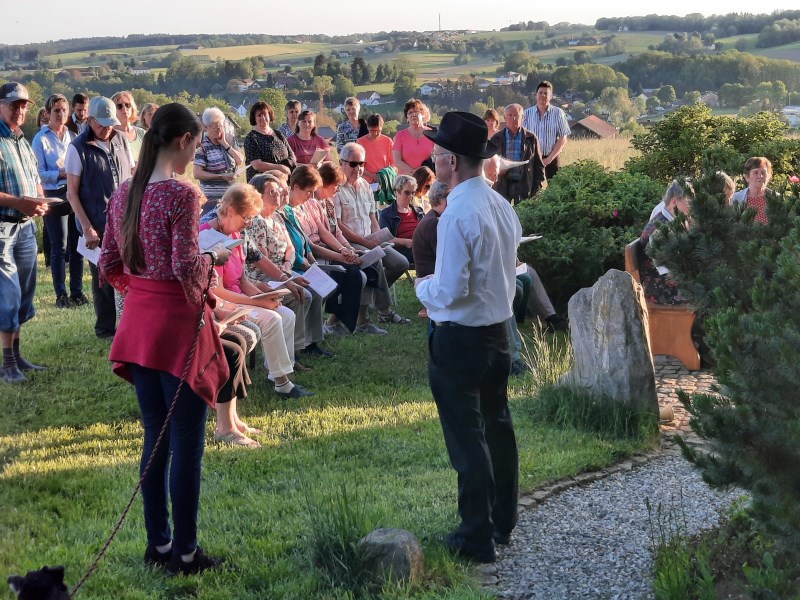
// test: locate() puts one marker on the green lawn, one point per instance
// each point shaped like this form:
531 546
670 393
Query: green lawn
70 443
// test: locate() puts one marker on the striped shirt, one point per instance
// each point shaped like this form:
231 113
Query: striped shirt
19 175
213 158
548 128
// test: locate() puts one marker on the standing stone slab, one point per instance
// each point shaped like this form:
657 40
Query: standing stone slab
608 325
392 554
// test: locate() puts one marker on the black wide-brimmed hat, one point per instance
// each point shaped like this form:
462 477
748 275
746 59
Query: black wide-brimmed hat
464 134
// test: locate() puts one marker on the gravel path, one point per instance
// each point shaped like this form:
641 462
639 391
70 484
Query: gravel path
593 541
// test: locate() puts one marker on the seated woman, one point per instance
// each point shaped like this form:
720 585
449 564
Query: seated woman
265 148
268 232
424 178
657 288
757 173
353 127
343 305
240 204
305 141
217 158
402 217
230 428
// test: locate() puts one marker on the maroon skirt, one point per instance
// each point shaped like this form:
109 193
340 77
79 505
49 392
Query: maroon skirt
157 330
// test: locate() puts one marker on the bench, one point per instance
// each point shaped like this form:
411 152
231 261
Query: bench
670 326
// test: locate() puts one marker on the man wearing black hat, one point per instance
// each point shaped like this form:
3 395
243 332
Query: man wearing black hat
21 198
468 299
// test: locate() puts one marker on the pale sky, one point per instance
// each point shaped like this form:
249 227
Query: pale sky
26 22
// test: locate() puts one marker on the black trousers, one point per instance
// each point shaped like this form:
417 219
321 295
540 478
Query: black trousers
468 373
105 308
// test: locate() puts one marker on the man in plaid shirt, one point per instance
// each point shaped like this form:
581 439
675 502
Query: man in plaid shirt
21 198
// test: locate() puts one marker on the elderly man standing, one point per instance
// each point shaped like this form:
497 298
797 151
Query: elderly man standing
468 299
517 143
355 213
21 198
97 162
549 124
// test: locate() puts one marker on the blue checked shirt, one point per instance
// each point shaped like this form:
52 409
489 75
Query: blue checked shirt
19 175
548 128
513 145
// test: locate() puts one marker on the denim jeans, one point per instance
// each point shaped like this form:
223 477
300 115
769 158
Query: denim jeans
185 442
63 247
17 274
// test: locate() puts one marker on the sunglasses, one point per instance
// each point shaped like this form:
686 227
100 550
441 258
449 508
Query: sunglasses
354 163
122 105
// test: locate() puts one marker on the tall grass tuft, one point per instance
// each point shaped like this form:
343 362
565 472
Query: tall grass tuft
336 524
679 570
549 358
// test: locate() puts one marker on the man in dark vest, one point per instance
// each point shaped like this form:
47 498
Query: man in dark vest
97 162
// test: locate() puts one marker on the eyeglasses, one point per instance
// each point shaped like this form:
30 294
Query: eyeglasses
20 105
248 220
354 163
121 105
406 192
434 155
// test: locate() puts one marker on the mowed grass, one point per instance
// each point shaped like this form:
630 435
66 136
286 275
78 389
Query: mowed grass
70 443
611 153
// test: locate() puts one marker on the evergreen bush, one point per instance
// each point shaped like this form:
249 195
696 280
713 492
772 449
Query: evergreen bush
587 215
744 277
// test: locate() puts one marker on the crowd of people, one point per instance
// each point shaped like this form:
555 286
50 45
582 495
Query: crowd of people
103 182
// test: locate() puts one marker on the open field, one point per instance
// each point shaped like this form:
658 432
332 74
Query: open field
83 58
270 51
611 153
786 52
70 442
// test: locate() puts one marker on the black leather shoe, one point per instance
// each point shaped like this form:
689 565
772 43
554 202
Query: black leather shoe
501 539
480 553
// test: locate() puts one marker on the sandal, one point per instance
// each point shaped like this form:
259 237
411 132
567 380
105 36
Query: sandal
236 438
393 317
247 430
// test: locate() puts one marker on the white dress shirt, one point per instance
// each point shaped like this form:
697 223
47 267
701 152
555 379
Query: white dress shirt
476 252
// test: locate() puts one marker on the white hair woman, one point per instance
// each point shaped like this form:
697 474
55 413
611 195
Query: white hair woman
217 158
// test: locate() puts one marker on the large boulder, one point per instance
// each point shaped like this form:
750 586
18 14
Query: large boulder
608 325
392 555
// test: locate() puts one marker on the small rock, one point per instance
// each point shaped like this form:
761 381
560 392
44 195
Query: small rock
392 554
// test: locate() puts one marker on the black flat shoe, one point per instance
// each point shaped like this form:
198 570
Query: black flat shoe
201 562
155 558
501 539
316 350
24 365
12 375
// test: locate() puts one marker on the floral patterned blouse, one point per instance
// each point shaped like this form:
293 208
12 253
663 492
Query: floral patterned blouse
269 148
168 228
272 239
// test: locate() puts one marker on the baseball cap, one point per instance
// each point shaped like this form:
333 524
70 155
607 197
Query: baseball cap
14 92
104 111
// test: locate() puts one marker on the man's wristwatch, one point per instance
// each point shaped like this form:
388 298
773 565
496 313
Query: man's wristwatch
213 256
